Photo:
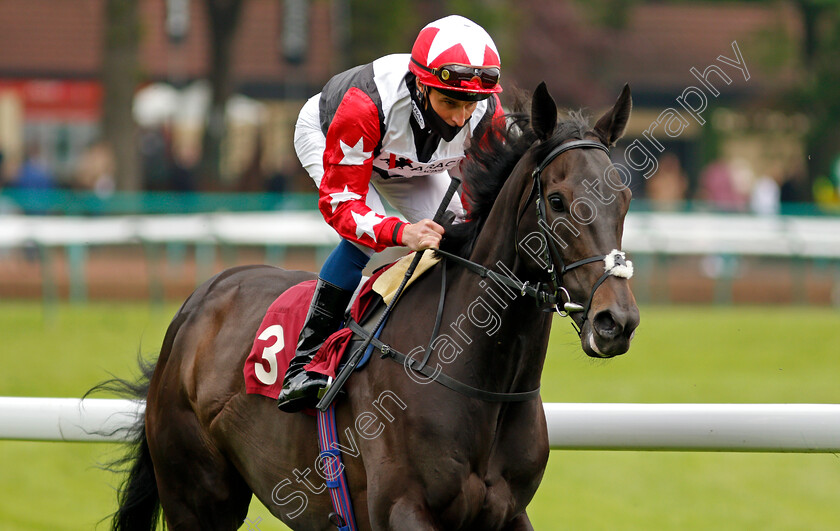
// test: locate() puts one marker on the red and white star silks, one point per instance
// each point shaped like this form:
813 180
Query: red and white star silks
348 164
369 137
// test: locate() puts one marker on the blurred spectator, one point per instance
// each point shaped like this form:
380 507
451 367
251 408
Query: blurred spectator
794 187
34 174
252 176
667 188
7 206
717 186
182 172
765 196
743 177
96 169
827 187
155 158
280 180
826 192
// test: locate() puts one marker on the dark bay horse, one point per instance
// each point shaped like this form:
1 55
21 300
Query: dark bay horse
417 454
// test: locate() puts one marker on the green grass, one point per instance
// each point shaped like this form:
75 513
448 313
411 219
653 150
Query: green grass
680 354
690 354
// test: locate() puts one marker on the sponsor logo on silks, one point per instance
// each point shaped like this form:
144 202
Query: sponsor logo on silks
399 162
398 166
415 110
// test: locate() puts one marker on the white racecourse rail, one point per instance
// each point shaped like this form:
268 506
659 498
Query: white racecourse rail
668 233
676 427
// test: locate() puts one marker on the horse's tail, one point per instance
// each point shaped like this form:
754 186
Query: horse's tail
138 495
139 502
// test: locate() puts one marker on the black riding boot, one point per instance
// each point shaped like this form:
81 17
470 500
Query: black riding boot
300 387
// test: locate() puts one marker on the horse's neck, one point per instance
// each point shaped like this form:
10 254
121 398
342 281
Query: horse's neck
515 347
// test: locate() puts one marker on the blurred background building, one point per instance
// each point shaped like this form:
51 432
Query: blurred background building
269 55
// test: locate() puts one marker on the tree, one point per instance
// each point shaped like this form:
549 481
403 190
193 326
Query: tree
812 56
223 18
120 72
817 93
378 28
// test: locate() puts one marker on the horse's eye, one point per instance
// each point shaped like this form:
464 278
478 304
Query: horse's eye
555 202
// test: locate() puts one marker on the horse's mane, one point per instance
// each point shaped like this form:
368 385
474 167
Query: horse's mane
494 152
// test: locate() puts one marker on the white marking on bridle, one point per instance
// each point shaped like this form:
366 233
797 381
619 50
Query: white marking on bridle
617 265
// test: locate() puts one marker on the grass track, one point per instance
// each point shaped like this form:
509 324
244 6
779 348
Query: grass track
680 354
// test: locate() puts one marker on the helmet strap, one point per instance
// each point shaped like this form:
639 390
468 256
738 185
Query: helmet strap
431 119
423 95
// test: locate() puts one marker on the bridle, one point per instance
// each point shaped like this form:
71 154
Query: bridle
614 262
554 293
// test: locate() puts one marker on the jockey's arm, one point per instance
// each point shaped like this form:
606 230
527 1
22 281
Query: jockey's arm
351 140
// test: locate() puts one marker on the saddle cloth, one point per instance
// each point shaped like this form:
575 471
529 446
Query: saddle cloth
277 336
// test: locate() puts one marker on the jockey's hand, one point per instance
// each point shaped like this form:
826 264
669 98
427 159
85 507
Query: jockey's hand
425 234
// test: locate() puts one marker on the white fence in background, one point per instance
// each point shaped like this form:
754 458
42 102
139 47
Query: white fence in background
305 228
654 232
658 234
804 428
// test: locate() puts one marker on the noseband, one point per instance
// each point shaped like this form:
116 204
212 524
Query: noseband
555 294
615 263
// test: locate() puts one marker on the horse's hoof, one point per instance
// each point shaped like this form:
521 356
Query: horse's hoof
322 391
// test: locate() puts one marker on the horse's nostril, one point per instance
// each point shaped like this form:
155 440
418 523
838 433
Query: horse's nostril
605 325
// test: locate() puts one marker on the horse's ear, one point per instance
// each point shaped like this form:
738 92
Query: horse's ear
611 126
543 112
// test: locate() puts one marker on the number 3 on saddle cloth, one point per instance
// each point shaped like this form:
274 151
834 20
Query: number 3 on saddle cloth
277 336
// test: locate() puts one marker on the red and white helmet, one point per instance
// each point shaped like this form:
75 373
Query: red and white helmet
456 54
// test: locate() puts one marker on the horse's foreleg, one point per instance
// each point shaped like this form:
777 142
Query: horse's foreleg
407 513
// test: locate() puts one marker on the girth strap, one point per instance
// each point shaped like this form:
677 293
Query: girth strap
336 479
439 377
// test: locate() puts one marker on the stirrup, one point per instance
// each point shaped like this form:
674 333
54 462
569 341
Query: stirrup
322 391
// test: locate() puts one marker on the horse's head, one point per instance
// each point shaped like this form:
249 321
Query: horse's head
573 235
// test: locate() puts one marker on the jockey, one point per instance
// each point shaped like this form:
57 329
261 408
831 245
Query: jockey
394 129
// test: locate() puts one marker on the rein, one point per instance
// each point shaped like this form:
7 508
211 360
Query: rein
553 294
438 376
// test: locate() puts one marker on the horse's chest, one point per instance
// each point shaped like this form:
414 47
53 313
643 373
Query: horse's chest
499 487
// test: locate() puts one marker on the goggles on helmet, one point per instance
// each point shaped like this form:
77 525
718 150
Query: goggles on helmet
461 76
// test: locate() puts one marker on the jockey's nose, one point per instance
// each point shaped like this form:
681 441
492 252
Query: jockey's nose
461 116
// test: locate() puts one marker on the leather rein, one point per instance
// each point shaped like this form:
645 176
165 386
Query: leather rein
552 294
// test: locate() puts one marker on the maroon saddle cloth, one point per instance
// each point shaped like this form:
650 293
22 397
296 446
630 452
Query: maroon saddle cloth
277 336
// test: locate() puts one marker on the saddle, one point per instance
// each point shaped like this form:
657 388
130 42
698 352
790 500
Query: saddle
277 335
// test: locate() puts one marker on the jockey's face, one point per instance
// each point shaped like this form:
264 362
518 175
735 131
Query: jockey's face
454 112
